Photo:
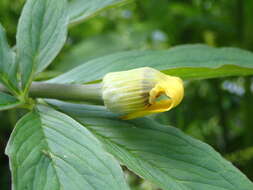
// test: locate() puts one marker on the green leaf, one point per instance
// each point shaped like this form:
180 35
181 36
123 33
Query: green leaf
49 150
8 102
162 154
42 31
188 62
8 67
81 9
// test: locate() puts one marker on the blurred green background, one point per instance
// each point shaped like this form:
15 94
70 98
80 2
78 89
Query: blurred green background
216 111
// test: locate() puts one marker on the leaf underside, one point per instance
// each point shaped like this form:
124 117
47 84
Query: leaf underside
186 61
8 66
8 102
41 33
162 154
48 151
82 9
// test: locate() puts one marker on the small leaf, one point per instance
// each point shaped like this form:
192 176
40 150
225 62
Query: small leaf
8 67
7 101
42 31
188 62
48 150
162 154
81 9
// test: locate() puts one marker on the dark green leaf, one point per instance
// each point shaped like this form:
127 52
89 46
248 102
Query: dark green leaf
188 61
8 102
49 150
162 154
42 31
8 67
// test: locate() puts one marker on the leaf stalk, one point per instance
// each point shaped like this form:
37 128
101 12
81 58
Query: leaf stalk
90 93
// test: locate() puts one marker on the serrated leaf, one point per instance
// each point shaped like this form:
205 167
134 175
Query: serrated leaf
188 62
42 31
8 67
81 9
7 101
162 154
49 150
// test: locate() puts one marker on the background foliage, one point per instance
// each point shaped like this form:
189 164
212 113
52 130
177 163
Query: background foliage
216 111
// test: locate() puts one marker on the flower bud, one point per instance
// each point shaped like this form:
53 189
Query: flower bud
140 92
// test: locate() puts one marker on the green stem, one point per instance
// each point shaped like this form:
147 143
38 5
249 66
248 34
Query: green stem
71 92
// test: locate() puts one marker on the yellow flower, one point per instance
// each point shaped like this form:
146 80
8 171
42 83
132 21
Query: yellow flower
140 92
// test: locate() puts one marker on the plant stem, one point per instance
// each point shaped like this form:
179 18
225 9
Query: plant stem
71 92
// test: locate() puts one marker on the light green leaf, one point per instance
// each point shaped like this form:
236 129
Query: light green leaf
7 101
162 154
8 67
49 150
42 31
81 9
188 62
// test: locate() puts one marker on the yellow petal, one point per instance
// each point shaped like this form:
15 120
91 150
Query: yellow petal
137 92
